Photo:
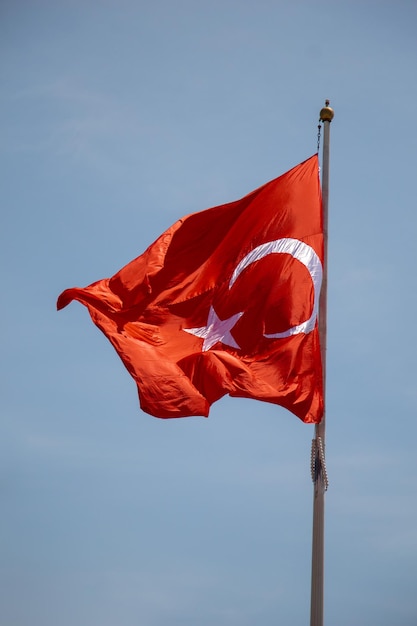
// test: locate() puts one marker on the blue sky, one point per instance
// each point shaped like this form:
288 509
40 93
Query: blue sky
116 119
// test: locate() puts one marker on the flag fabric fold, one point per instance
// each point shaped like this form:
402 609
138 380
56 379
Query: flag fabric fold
224 302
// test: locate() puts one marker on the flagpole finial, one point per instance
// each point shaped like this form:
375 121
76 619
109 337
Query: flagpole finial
327 113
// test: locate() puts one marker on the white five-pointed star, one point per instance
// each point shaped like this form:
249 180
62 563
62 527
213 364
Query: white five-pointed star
216 330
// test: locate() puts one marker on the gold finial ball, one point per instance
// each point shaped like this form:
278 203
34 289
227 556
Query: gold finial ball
327 113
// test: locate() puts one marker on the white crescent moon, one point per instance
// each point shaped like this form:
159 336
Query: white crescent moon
303 253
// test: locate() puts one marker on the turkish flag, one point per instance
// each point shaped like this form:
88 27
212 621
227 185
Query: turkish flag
224 302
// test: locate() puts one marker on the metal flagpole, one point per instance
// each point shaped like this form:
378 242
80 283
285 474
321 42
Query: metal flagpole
318 465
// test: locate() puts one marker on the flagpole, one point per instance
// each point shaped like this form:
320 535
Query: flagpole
318 466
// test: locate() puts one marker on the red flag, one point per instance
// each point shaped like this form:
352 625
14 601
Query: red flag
224 302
